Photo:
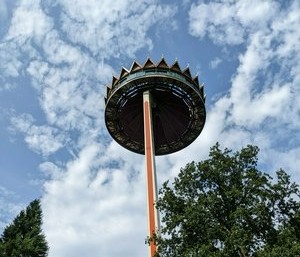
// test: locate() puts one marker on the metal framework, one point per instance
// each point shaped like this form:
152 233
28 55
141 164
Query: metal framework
154 109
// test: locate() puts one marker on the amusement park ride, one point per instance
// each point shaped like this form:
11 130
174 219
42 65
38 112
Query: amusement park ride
154 109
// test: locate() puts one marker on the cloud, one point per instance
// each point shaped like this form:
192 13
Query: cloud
66 63
41 139
6 86
287 159
3 11
10 64
94 200
230 21
262 105
280 92
215 63
29 21
28 24
112 29
94 209
9 206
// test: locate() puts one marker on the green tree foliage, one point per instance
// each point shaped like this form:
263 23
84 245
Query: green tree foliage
225 207
24 237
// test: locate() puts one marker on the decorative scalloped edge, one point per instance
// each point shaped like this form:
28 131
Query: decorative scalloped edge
187 73
135 67
162 64
123 73
114 80
175 66
149 64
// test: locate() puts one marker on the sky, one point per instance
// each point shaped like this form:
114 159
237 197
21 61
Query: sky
56 58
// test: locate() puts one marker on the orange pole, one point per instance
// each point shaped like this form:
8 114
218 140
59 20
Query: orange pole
153 219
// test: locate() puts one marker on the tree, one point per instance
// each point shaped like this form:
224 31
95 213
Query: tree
225 207
24 237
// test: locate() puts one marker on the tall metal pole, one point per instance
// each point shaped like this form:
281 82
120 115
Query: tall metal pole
153 218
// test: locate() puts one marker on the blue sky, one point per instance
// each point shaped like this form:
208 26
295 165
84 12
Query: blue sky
56 58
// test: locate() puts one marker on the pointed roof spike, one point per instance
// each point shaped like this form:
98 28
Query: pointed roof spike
187 72
203 96
108 89
135 66
114 80
196 80
201 88
123 73
175 66
163 64
149 64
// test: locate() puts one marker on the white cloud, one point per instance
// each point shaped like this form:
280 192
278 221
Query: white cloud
6 86
280 93
71 93
42 139
3 11
256 14
94 204
29 21
88 208
230 21
69 74
287 160
112 29
218 21
262 106
51 170
9 206
10 61
94 209
215 63
270 103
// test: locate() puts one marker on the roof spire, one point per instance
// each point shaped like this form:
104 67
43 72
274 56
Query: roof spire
163 64
149 64
135 66
175 66
123 73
